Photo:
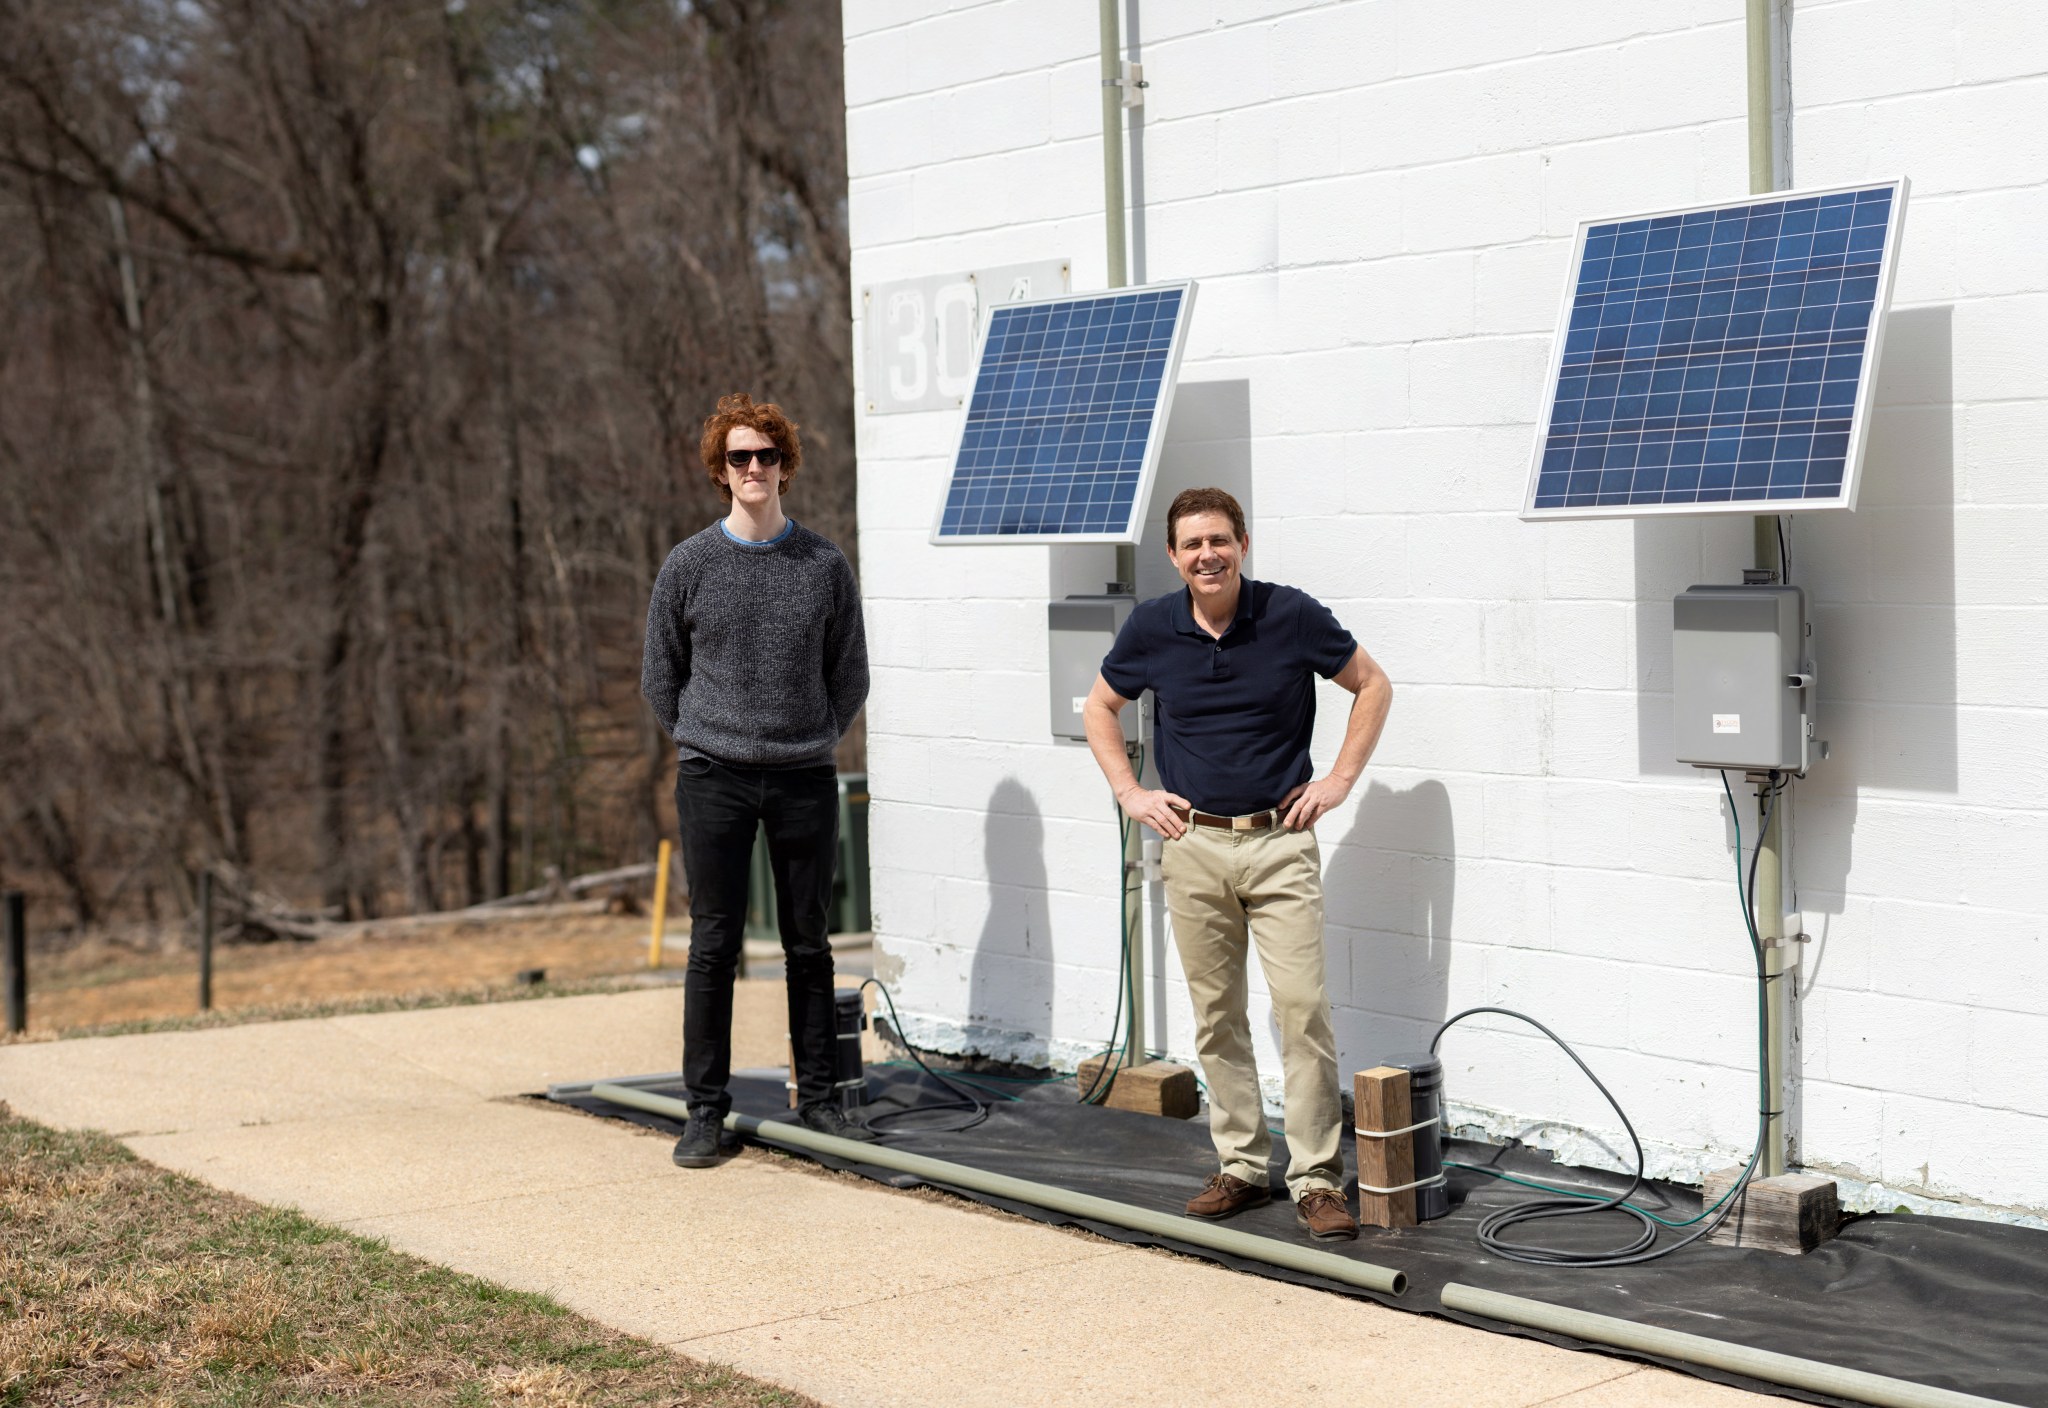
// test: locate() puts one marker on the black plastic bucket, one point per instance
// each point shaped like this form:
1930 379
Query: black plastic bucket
1426 1102
850 1072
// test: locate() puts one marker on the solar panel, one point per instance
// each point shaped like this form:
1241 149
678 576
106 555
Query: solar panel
1719 359
1063 425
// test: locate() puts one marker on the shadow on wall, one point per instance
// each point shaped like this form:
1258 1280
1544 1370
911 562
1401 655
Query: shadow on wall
1389 889
1883 586
1881 593
1208 443
1010 986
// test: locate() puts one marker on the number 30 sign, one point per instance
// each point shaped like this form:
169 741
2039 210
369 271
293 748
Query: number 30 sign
918 335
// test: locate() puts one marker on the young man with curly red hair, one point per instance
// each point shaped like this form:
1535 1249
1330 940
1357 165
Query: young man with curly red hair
1232 665
756 663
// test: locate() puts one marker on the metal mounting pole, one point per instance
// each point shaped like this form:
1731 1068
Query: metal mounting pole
1770 926
1770 890
1131 909
1763 145
1113 143
1126 554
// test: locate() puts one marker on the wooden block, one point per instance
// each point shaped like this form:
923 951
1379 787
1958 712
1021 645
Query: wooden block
1379 1098
1154 1088
1794 1212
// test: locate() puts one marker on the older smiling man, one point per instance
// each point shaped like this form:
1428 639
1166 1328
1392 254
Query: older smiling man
1232 664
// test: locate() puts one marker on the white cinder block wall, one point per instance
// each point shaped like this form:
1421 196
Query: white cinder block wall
1378 199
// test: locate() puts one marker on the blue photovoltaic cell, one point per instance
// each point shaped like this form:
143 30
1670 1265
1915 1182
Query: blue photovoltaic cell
1714 356
1062 408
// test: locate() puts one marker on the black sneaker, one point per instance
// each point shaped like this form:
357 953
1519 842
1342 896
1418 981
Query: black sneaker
830 1119
698 1148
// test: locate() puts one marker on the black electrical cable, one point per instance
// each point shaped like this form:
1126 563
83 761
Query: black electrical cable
1784 553
965 1099
1643 1247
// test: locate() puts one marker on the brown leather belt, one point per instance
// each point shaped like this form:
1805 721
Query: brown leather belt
1257 821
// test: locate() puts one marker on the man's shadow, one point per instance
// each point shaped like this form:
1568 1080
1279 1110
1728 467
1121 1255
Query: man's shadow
1389 892
1389 888
1009 1014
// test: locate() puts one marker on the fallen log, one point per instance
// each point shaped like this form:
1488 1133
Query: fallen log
254 916
581 885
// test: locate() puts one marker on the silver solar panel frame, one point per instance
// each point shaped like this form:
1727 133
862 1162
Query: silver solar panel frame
1859 414
1148 470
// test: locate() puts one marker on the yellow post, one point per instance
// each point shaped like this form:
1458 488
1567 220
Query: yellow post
660 906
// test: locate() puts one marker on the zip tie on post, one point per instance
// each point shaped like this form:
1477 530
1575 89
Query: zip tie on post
1432 1181
1390 1133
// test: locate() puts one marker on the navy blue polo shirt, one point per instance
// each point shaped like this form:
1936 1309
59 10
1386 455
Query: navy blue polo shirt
1234 714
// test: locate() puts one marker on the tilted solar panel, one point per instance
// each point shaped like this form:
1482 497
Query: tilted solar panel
1063 425
1719 359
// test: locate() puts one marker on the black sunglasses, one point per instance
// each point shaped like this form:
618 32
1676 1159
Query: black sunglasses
769 458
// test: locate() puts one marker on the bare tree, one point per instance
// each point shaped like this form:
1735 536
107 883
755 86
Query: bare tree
358 355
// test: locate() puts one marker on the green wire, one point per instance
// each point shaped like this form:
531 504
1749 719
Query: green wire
1584 1197
1749 922
1127 990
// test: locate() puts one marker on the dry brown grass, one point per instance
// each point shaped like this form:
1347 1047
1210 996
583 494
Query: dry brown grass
105 982
121 1283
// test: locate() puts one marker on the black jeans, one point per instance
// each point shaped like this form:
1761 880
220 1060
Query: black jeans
719 809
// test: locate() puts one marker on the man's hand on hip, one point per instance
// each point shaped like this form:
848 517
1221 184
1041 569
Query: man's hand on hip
1311 801
1156 810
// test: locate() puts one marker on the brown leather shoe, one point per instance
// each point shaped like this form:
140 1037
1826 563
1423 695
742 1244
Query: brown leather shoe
1223 1196
1323 1212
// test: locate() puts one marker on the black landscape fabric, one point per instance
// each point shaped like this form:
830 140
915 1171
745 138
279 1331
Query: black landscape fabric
1933 1300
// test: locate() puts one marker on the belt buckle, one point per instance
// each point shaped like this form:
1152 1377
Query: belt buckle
1244 823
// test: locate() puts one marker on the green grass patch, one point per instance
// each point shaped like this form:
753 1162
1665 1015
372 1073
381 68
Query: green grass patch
123 1283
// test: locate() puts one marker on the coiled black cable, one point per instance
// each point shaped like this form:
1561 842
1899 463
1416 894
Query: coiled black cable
964 1099
1643 1246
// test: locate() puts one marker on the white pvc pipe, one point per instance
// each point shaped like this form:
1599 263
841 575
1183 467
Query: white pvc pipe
1771 1367
1207 1235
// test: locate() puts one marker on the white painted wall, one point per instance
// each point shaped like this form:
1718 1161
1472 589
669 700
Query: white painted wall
1378 199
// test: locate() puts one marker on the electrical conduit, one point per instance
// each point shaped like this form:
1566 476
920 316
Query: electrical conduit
1771 1367
1186 1230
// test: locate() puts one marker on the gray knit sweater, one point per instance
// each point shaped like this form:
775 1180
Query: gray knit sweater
756 655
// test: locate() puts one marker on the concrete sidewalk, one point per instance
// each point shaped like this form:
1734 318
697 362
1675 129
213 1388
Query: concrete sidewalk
404 1126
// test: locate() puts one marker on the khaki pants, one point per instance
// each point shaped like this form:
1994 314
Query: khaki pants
1219 885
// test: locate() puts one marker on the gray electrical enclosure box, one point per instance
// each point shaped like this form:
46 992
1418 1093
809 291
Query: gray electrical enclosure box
1080 631
1740 684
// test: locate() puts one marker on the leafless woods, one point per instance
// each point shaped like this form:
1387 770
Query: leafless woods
353 358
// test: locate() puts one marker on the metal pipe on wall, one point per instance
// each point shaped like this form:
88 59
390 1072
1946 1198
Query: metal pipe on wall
1763 166
1771 1367
1118 265
1113 144
1134 132
1130 911
1763 60
1206 1235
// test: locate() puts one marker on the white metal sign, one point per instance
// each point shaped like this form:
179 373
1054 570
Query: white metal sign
919 335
